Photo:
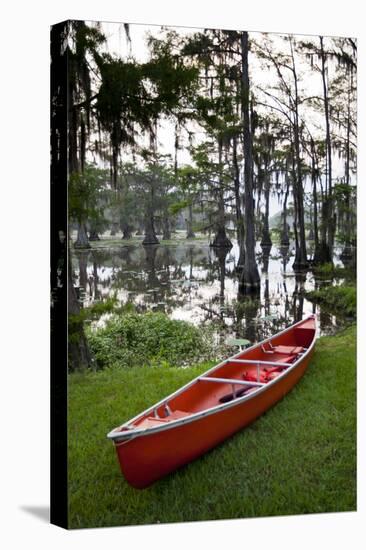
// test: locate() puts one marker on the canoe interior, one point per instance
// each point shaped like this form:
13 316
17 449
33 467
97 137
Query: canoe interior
283 348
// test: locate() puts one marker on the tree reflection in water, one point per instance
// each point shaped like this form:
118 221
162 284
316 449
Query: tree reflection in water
200 285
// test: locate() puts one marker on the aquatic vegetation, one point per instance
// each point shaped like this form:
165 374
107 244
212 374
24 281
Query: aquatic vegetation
336 299
133 339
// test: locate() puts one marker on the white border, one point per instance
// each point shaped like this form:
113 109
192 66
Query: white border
25 281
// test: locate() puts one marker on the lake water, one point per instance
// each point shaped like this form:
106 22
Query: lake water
188 280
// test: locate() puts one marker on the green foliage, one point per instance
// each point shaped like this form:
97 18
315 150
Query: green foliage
176 207
343 192
97 309
84 39
82 42
84 193
121 99
325 270
133 93
340 300
328 270
91 313
172 79
133 339
275 233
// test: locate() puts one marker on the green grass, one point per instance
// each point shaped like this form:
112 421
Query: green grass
298 458
341 300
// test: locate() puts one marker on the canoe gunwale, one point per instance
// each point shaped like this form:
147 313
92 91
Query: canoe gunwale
131 433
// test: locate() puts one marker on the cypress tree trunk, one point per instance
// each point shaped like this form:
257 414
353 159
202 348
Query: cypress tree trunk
285 239
93 234
347 250
298 296
189 222
114 229
315 206
301 261
221 239
95 281
265 257
82 240
238 212
266 236
83 271
221 254
150 234
150 259
78 350
324 250
249 280
297 261
326 246
166 227
126 231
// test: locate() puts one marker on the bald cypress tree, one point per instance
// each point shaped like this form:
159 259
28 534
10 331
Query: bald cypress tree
249 279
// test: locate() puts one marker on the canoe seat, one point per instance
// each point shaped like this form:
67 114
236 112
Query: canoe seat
177 414
151 421
288 350
283 350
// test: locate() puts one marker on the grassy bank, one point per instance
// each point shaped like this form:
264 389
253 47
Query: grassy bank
300 457
340 300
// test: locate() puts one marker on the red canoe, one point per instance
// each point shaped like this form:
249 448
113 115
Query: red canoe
213 406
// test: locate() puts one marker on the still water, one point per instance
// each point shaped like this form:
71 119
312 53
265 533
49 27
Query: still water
193 282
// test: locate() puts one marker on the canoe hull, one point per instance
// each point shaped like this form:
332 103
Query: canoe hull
145 459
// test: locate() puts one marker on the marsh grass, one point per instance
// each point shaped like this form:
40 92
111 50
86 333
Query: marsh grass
330 271
340 300
298 458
